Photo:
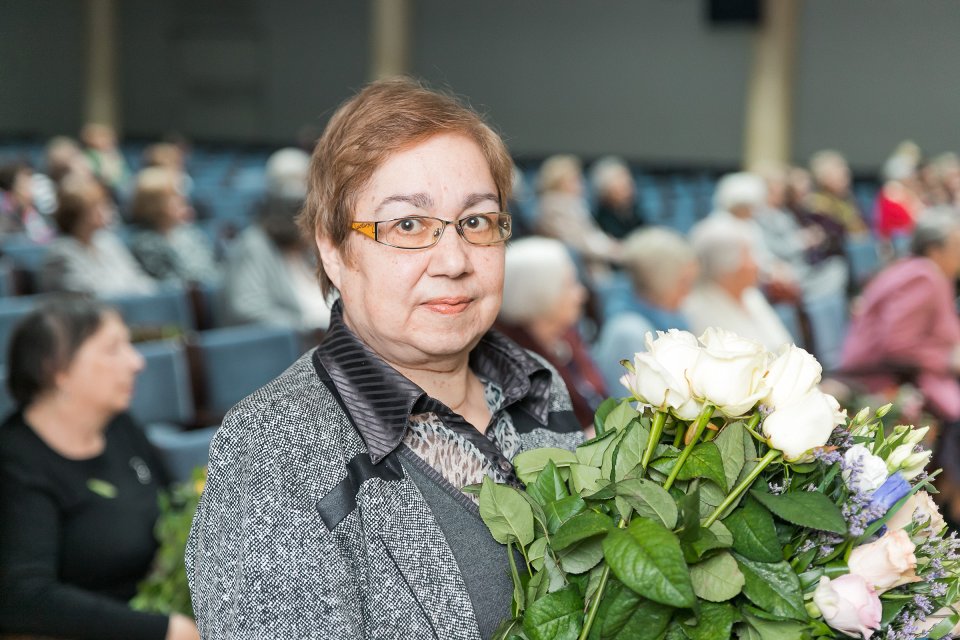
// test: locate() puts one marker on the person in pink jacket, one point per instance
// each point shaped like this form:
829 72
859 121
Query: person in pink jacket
906 322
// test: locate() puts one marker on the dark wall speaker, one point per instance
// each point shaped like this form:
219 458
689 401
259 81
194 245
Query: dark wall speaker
735 12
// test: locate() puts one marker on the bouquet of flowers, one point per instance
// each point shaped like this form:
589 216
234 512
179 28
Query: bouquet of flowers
729 497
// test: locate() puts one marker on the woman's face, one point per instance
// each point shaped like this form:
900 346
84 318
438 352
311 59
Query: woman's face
104 369
422 307
178 210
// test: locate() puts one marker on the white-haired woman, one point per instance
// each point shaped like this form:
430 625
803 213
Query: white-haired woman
617 211
542 304
727 294
662 268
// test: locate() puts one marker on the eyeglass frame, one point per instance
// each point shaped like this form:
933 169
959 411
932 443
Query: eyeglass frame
371 229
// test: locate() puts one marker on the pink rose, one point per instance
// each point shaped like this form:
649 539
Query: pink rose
887 563
849 605
920 508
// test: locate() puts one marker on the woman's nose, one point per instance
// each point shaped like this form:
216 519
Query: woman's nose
449 256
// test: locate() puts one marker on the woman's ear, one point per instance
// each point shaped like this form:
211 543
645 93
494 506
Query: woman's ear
330 258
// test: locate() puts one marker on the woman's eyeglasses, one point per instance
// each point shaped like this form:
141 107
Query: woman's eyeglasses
420 232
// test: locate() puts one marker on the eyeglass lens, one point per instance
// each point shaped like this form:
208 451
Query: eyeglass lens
416 232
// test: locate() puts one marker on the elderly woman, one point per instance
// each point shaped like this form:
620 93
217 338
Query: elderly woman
727 294
663 269
334 506
78 482
88 258
542 304
168 246
617 211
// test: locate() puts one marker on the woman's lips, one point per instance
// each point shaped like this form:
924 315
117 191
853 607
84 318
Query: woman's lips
448 306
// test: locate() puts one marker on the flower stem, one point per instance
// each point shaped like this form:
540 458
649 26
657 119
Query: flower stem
741 488
595 602
656 430
698 428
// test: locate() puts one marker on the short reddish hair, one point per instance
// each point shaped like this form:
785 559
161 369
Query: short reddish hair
384 117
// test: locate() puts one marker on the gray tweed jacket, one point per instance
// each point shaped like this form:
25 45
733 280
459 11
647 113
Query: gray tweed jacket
262 563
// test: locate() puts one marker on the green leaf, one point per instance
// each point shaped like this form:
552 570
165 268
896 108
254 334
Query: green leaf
665 459
508 629
580 527
630 450
518 596
582 556
773 586
506 513
717 579
646 557
750 457
690 515
529 463
704 462
713 622
591 452
623 615
775 630
553 579
804 509
606 465
562 510
730 444
584 479
548 486
754 533
536 551
716 537
620 416
649 500
539 515
556 616
603 411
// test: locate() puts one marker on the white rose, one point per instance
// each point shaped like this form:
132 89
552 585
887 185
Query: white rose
729 373
887 563
873 470
792 374
796 429
919 507
660 375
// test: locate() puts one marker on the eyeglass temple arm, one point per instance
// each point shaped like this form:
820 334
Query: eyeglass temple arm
368 229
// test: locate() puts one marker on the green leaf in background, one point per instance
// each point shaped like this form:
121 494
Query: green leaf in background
754 533
630 450
508 629
774 630
539 515
591 452
584 478
620 416
705 462
804 509
506 513
716 537
690 515
730 444
536 551
623 615
711 496
646 557
750 457
600 416
774 587
556 616
529 463
582 556
606 464
664 460
548 486
649 500
717 579
553 577
580 527
562 510
714 621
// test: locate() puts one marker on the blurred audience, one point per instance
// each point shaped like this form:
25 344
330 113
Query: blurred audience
168 246
899 201
617 210
106 161
18 213
832 197
826 235
269 276
727 295
87 257
662 268
542 303
79 482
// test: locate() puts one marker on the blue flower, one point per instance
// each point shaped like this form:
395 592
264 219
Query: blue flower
890 492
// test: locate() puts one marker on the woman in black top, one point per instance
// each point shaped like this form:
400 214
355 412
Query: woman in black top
78 482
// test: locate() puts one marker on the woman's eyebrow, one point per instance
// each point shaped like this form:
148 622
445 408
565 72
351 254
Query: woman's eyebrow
476 198
419 200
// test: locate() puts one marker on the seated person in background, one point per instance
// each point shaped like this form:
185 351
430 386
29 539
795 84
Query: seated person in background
108 164
269 274
663 269
906 322
88 258
18 213
78 482
617 212
168 246
563 213
542 303
831 197
727 294
898 203
825 234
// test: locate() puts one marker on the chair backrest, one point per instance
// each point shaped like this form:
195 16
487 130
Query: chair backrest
155 310
233 362
163 392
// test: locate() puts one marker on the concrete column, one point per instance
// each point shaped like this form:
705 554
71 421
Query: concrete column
101 99
769 112
390 38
